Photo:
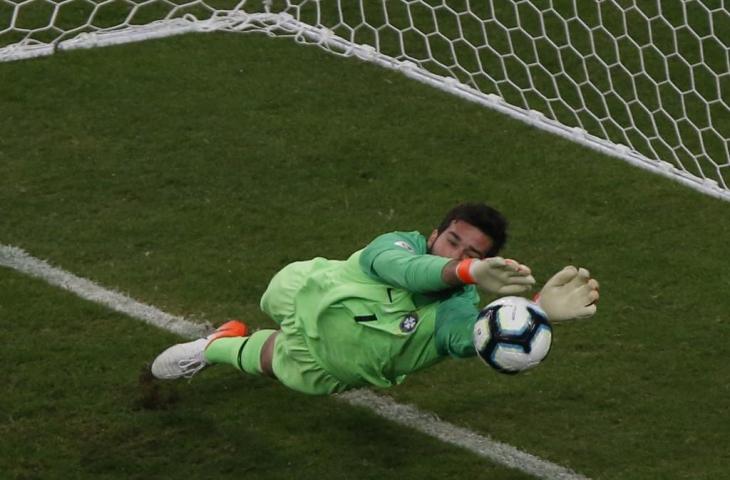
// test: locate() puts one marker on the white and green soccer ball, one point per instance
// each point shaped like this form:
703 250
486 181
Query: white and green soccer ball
512 334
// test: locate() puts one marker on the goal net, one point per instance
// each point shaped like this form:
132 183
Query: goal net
648 82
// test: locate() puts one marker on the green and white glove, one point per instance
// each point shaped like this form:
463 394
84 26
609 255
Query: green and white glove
496 275
570 293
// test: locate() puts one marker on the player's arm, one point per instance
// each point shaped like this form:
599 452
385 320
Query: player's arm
502 276
400 259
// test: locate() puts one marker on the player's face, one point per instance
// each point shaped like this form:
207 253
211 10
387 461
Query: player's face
459 241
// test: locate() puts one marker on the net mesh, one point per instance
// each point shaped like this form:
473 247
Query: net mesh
647 80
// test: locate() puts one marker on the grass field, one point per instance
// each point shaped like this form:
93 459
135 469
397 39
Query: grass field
186 172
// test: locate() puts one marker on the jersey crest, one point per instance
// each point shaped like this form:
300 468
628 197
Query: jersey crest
409 322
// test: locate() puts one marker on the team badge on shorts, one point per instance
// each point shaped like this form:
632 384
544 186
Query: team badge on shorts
409 322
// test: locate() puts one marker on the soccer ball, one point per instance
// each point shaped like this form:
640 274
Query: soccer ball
512 334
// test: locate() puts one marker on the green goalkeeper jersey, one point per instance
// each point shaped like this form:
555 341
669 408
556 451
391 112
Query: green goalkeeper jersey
385 312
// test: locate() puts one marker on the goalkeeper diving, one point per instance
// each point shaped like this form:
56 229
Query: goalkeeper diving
404 302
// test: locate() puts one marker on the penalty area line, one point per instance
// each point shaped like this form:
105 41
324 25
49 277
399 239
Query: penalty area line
383 406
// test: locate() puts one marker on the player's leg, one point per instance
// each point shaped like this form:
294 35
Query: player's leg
286 356
267 356
294 366
240 350
188 358
250 354
283 355
254 355
230 344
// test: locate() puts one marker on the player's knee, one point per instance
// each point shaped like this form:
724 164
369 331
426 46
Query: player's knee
267 356
251 352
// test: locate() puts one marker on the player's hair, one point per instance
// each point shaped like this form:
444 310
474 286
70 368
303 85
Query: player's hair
483 217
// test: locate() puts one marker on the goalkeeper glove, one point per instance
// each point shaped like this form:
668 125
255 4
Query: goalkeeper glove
570 293
496 275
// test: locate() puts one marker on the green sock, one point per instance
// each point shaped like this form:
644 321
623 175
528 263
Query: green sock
244 353
225 350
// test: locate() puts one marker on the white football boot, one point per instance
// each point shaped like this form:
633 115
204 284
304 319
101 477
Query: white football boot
187 359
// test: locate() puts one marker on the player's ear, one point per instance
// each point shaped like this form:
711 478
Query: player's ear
432 239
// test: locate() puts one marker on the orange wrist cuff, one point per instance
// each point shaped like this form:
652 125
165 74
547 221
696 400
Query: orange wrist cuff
462 271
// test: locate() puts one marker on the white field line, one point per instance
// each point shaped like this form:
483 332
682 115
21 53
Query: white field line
407 415
17 259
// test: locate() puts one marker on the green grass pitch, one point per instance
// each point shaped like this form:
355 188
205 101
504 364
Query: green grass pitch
186 172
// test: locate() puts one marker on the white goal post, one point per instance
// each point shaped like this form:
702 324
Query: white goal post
648 82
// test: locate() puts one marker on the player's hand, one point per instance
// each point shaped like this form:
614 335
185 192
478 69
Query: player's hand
496 275
570 293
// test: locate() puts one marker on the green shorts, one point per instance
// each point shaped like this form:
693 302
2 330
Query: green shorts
293 363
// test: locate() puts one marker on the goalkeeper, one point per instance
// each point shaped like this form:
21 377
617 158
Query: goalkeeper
401 304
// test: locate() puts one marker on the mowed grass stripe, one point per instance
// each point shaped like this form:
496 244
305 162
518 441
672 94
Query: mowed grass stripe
407 415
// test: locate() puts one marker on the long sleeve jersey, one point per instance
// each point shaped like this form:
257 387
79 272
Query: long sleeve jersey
385 312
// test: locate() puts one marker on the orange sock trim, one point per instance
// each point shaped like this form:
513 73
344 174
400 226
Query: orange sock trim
232 328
